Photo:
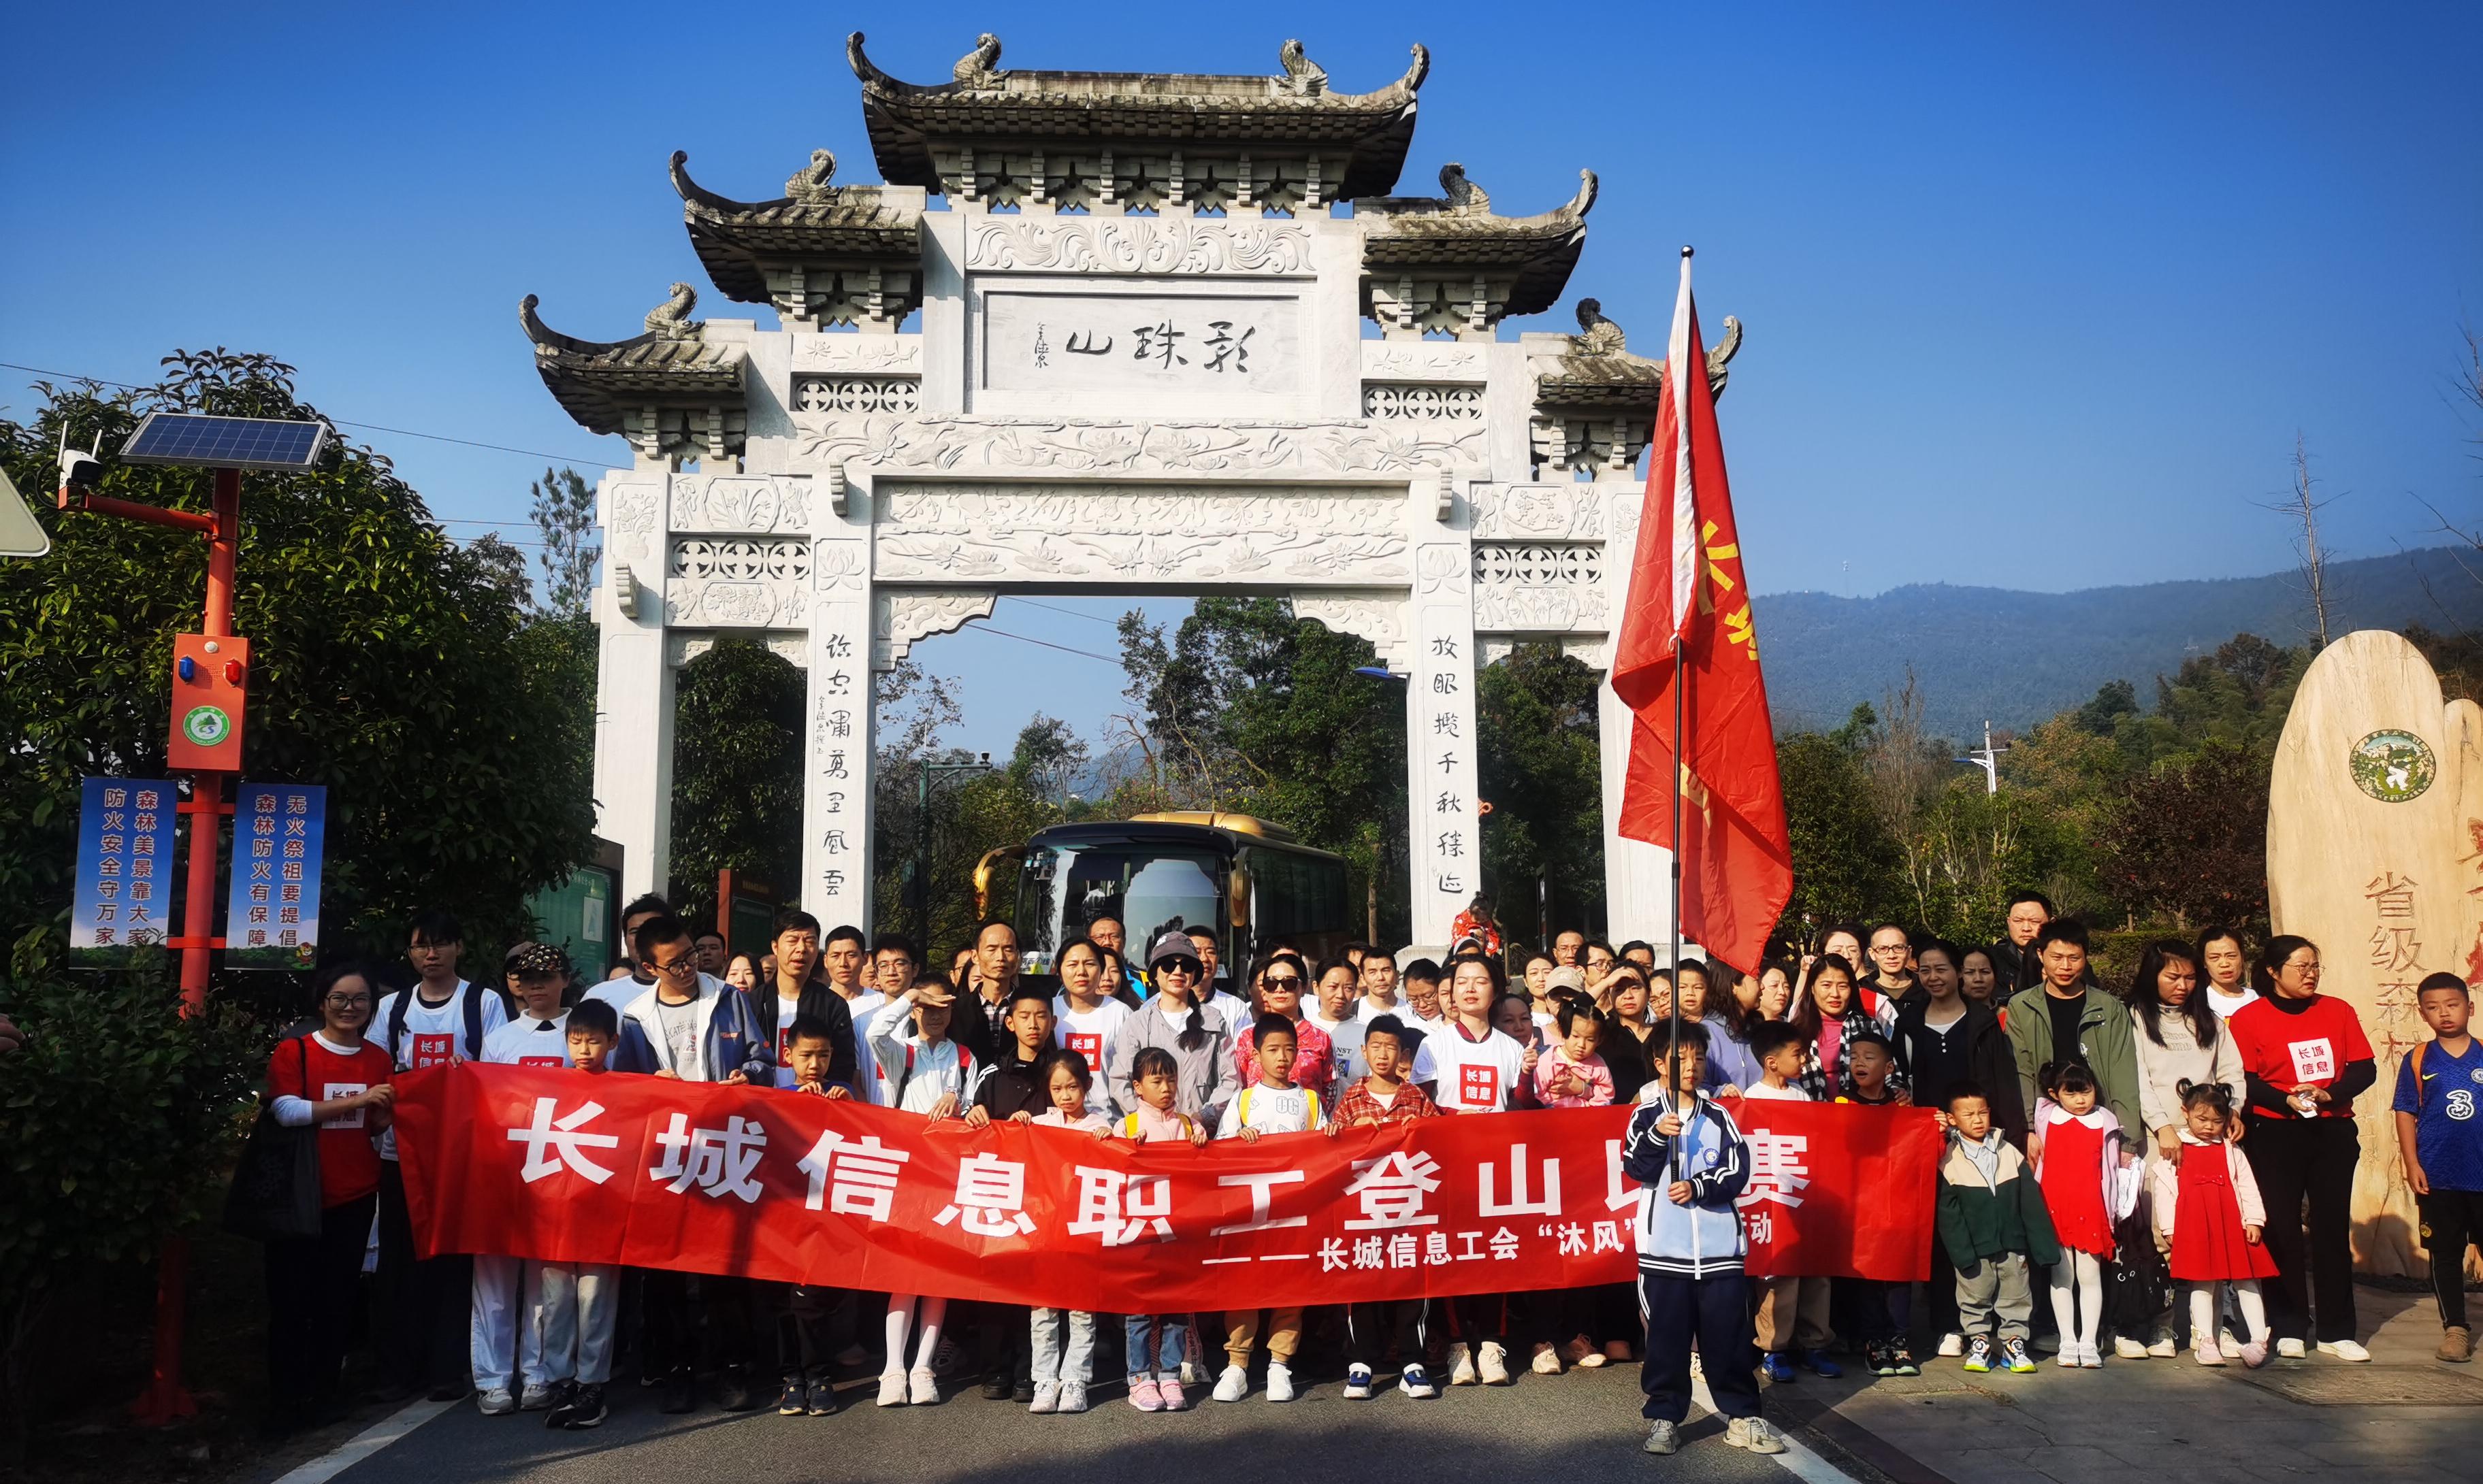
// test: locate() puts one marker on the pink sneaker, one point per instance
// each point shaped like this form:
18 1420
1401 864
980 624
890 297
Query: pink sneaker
2254 1354
1146 1395
1173 1400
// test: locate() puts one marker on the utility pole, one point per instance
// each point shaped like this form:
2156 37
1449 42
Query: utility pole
210 682
1988 758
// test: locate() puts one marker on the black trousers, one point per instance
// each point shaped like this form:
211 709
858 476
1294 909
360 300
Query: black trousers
1714 1314
426 1304
1005 1342
2452 1220
668 1340
2313 1157
1370 1329
310 1294
798 1314
1478 1318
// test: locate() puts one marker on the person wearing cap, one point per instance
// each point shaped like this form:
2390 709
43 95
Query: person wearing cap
505 1346
1196 1035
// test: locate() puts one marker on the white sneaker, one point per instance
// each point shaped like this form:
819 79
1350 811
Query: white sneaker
922 1389
1233 1385
1073 1396
2129 1348
2166 1345
1047 1396
1358 1384
2069 1357
1461 1366
2288 1349
1952 1345
536 1398
1416 1383
1493 1364
2344 1350
2230 1346
1663 1437
2092 1359
497 1402
1280 1382
1757 1434
891 1388
1547 1361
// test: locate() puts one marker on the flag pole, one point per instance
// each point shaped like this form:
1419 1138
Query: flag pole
1680 711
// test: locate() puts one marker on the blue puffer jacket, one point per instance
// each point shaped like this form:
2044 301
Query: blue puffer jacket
1703 1238
728 1038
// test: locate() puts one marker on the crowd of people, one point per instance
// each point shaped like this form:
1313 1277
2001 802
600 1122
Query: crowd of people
2138 1155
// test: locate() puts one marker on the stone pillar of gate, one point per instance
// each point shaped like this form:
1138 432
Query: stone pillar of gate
1637 877
838 722
1445 851
633 717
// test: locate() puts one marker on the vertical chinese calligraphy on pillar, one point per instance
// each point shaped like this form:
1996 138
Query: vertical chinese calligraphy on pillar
837 793
1442 780
2375 853
272 917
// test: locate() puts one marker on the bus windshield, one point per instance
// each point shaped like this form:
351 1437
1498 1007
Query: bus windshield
1151 889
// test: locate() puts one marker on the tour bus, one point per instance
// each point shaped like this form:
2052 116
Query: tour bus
1245 878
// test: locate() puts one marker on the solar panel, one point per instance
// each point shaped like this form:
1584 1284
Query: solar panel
225 443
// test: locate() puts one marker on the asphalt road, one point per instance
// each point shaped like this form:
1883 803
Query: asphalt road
1578 1429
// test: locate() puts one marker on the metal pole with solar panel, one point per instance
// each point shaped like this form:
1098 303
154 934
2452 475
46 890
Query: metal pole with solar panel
210 692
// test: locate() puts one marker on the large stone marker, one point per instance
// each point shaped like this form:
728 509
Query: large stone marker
2375 853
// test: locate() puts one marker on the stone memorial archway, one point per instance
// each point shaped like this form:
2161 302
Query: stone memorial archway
1140 365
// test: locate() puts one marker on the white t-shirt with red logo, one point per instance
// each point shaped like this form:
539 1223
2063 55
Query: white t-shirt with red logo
526 1042
1472 1076
1090 1033
435 1035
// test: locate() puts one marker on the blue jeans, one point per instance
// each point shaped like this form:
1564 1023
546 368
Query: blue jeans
1166 1346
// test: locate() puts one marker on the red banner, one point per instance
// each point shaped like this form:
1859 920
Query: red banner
647 1171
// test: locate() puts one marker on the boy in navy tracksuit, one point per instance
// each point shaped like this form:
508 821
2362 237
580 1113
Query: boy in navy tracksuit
1689 1247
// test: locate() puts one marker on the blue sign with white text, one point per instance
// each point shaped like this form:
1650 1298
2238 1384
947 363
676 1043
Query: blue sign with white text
124 866
271 919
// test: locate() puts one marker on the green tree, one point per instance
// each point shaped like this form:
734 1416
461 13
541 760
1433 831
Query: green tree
2189 842
1844 858
564 513
1539 750
388 663
107 1142
737 773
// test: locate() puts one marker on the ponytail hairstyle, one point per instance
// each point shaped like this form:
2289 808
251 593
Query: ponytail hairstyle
1193 1031
1572 1013
2209 1093
2058 1077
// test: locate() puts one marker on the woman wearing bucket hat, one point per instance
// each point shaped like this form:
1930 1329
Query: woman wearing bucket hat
1176 1019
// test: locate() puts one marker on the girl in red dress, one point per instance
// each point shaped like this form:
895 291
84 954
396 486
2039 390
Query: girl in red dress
2210 1217
2080 1173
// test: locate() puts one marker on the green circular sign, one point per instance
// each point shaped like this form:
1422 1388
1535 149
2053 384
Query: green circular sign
207 726
2393 766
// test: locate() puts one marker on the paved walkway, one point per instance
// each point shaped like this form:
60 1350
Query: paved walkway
2405 1419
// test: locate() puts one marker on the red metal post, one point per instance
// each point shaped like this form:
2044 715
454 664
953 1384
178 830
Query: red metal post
166 1399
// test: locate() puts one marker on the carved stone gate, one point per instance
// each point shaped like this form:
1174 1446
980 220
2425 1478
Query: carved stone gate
1140 366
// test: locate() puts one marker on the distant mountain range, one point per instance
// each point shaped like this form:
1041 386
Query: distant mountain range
2018 659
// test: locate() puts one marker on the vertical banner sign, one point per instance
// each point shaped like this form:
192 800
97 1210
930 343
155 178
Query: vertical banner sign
272 920
124 866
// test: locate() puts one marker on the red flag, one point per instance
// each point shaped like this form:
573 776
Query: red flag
1687 589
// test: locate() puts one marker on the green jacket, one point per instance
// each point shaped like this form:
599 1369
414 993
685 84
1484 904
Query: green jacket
1980 1218
2110 1039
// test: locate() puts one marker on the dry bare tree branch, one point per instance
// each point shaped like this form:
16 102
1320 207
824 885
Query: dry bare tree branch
2302 505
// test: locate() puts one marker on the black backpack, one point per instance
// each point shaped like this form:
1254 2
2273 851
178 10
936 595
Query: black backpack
473 994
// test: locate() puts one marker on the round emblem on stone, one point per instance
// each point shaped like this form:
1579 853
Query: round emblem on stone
2393 766
207 726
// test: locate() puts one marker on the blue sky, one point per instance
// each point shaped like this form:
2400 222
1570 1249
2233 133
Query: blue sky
2036 297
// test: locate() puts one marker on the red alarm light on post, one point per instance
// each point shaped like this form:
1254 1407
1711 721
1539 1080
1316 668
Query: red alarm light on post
210 696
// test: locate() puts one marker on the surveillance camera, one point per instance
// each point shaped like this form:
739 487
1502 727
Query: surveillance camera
80 471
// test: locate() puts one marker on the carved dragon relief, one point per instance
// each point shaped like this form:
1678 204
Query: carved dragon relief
1138 245
950 441
938 532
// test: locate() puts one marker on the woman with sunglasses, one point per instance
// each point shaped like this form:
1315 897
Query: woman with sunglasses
1177 1021
1280 988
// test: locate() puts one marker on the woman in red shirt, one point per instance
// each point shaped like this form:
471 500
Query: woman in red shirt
334 1078
2304 1057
